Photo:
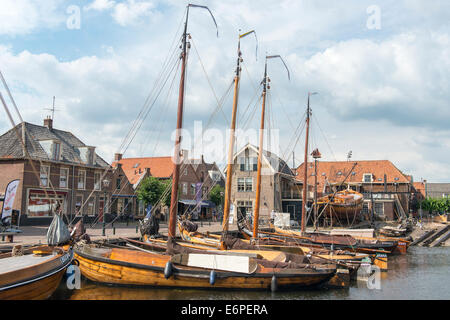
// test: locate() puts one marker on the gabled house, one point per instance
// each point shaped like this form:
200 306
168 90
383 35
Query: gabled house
385 188
280 191
67 171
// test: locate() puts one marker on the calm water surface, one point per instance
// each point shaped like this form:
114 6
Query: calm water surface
423 273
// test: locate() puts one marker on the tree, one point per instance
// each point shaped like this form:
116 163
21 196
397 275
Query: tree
150 190
216 195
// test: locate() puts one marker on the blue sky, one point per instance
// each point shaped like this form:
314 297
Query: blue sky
383 88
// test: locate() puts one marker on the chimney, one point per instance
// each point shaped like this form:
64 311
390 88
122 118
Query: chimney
48 122
117 156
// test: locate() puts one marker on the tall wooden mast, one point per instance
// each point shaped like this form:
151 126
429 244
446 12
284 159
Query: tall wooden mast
260 148
305 163
226 208
177 155
260 152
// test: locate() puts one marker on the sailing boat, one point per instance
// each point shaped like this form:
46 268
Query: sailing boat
213 241
177 266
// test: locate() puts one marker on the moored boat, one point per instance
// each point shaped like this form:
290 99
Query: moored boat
32 273
137 268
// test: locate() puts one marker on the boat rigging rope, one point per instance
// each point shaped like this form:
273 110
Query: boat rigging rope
209 82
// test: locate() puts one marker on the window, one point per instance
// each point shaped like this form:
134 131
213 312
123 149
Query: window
248 184
248 164
245 207
41 205
81 179
379 208
78 204
118 183
90 210
245 184
241 184
185 188
193 189
63 177
97 184
45 175
367 177
56 150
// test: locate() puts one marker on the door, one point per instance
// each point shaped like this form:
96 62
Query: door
101 209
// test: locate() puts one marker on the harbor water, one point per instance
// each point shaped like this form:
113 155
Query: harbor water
423 273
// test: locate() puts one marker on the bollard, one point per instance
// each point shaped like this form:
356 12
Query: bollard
103 228
114 228
136 229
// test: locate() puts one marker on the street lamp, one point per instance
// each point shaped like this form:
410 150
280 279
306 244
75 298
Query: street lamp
105 186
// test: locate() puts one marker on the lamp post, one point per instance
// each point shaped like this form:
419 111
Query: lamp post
105 186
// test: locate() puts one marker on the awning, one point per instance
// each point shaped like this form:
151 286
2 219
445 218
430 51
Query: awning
188 202
207 204
203 204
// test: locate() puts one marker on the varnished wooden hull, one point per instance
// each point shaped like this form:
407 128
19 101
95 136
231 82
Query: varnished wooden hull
142 269
36 282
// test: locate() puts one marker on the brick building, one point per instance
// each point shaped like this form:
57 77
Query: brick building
197 177
65 171
385 188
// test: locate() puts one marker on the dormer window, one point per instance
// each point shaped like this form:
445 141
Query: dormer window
87 154
52 148
367 177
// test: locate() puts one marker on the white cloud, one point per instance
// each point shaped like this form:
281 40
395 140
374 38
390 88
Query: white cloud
100 5
19 17
129 13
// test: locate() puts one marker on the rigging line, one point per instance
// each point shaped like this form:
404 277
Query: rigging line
27 134
107 169
251 114
252 82
168 188
317 122
146 102
169 56
164 112
209 82
222 103
149 109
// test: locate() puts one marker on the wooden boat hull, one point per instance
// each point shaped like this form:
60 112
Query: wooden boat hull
134 268
345 213
35 282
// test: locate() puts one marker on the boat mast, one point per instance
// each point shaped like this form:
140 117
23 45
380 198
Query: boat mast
260 149
177 155
260 152
305 162
226 208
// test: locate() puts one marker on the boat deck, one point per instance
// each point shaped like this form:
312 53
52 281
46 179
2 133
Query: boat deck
15 263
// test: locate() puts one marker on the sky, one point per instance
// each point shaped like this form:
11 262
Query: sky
381 70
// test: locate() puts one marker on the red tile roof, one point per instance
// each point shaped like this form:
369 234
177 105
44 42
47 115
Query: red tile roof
336 171
420 187
160 167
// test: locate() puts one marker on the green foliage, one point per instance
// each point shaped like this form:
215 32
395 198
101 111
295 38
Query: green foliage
215 195
437 205
151 190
